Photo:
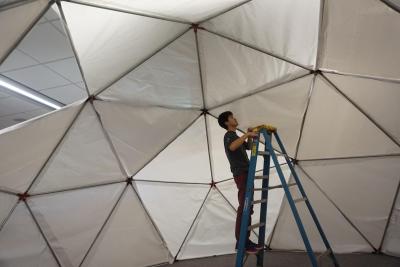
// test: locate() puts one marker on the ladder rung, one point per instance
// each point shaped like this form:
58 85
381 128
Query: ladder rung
263 153
264 200
257 225
260 189
281 186
261 177
300 199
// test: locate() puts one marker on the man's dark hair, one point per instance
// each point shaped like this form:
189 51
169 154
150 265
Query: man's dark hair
223 117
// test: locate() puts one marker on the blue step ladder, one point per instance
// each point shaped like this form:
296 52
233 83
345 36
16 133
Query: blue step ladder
267 131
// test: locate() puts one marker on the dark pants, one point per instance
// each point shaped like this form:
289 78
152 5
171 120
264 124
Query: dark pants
241 185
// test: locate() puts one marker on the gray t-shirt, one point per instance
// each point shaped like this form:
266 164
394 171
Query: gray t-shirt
238 159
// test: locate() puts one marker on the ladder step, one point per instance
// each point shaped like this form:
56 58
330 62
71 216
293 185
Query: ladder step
264 200
263 153
261 177
300 199
281 186
260 189
257 225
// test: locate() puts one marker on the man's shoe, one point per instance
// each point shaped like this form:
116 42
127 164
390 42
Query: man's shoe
251 245
251 250
256 246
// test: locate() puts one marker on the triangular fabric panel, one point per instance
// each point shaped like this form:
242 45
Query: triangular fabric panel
106 44
330 131
129 238
213 233
140 133
362 40
7 202
342 237
180 204
185 159
71 220
14 25
21 243
188 11
352 185
83 158
230 191
287 28
24 148
169 78
231 70
391 244
219 161
282 106
368 94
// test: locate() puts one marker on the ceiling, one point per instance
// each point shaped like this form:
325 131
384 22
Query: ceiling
43 61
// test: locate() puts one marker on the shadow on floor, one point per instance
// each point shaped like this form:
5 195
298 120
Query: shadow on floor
295 259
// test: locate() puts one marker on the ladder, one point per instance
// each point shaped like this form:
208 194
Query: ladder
267 131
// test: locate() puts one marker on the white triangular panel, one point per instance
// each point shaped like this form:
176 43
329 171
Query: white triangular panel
275 196
335 128
363 189
7 202
378 99
185 159
185 10
342 237
169 78
213 232
21 243
83 158
129 238
140 133
180 204
363 37
24 148
16 24
106 43
282 106
391 244
231 70
287 28
71 220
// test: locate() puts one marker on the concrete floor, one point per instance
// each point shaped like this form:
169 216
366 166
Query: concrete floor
295 259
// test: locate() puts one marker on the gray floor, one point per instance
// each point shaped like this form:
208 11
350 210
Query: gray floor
295 259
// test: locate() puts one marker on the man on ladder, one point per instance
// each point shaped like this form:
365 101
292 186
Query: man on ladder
244 172
235 149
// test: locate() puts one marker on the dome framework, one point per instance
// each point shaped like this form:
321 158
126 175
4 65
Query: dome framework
134 173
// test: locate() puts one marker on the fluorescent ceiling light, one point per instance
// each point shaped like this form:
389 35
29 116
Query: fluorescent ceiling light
29 93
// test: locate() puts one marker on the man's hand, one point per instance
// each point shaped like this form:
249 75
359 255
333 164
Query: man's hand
251 134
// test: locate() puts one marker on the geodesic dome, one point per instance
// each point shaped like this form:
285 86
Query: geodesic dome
134 173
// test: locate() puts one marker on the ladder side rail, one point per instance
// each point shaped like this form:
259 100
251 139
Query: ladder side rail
303 193
292 205
247 203
264 206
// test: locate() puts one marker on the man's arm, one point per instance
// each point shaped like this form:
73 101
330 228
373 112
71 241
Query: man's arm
238 142
249 141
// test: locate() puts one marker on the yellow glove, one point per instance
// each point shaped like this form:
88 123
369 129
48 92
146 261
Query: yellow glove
268 127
